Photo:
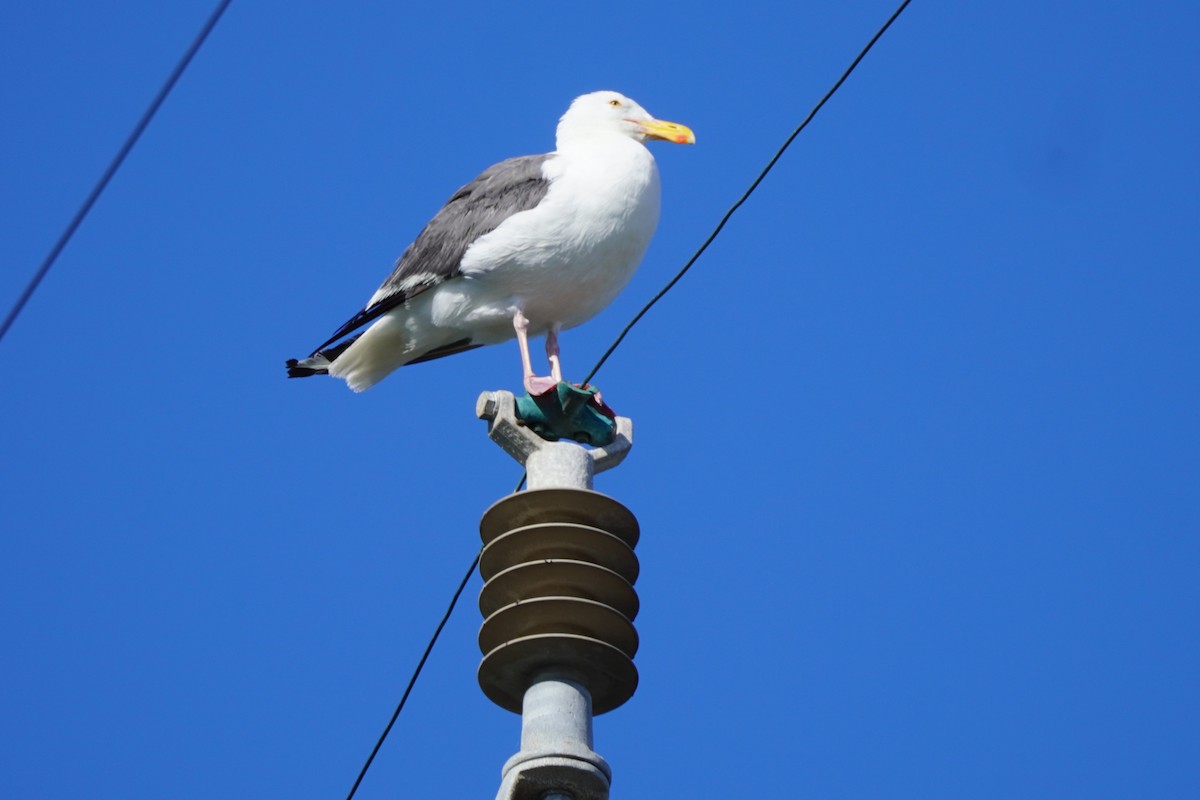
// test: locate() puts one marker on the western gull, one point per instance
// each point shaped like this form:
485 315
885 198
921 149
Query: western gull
534 245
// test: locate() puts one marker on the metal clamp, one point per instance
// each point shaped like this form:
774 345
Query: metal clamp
549 464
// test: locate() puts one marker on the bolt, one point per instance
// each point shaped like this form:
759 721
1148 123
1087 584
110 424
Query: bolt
485 406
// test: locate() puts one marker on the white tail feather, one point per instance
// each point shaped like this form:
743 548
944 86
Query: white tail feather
379 352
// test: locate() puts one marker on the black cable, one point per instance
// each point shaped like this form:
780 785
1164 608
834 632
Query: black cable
113 167
615 344
746 195
421 664
416 673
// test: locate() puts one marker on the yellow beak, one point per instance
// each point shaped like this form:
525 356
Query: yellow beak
668 131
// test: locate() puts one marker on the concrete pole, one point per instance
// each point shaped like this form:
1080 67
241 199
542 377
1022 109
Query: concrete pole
556 759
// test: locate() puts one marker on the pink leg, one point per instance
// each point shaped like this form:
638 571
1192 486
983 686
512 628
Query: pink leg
533 383
552 353
521 326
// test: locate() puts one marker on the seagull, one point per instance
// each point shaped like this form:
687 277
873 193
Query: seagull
533 246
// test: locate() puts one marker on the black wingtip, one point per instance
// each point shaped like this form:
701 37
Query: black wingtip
296 371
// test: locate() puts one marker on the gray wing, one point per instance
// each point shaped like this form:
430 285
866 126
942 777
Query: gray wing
477 209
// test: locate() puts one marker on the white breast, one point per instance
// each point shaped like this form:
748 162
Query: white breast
564 261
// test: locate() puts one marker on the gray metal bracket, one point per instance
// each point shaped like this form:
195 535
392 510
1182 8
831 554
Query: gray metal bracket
549 464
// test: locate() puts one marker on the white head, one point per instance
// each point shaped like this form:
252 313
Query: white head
607 113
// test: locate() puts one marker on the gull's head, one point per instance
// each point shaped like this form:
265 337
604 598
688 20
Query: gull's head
606 113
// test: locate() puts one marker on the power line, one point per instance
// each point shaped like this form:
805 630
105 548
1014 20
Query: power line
745 196
417 672
670 284
421 664
113 166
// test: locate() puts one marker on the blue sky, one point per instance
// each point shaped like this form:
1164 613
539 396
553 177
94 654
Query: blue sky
917 440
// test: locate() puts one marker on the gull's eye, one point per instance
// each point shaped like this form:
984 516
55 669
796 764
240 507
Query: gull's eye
615 103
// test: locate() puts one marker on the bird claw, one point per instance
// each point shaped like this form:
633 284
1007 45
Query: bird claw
538 385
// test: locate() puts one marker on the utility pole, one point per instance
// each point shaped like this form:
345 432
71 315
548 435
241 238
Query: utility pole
558 601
